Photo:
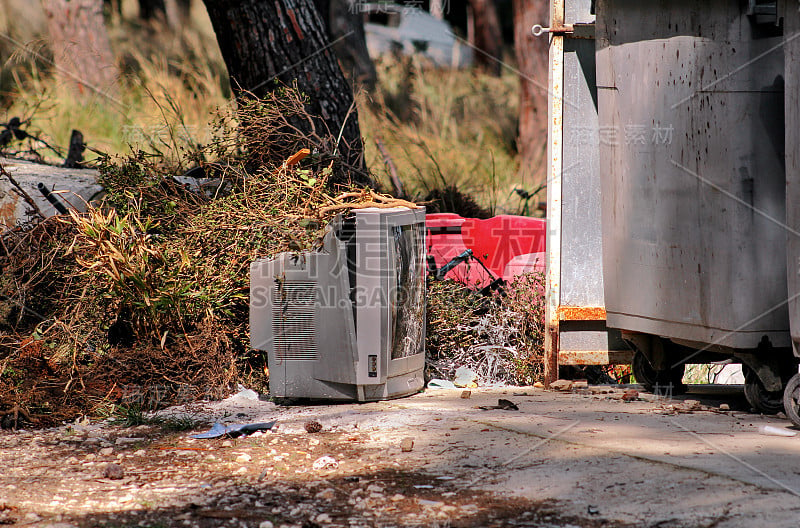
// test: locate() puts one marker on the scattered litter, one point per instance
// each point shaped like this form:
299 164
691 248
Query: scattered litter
325 462
561 385
503 405
407 444
592 510
771 430
465 378
243 394
724 407
313 426
630 395
233 430
423 486
441 384
445 477
466 394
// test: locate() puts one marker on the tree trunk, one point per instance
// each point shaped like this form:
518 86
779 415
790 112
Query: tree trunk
152 10
80 44
532 59
488 37
345 27
270 44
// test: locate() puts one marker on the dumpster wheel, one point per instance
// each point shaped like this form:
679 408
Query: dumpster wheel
758 397
791 399
664 382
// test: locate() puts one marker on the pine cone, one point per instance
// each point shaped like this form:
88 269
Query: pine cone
313 426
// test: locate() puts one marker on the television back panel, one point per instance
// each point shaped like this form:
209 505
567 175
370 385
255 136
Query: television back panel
347 322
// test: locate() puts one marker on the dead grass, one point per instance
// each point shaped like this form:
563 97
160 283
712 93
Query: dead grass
500 338
149 291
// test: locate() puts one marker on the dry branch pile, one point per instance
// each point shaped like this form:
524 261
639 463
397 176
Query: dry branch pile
500 338
144 300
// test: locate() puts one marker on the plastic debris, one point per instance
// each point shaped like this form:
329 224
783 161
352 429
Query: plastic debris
441 384
233 430
465 378
243 394
503 405
771 430
325 462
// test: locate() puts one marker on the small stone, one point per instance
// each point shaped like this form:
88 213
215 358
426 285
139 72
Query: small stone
90 457
113 472
430 503
124 441
691 405
325 462
227 443
244 457
466 394
374 488
323 518
106 451
241 471
266 524
71 460
139 452
561 385
407 444
724 407
313 426
327 494
630 395
32 517
397 497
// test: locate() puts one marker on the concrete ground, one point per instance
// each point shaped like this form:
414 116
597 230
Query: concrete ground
654 462
590 457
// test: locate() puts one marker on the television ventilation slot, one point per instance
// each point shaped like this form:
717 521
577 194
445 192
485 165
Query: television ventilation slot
293 322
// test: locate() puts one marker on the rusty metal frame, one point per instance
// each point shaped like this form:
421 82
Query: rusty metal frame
555 135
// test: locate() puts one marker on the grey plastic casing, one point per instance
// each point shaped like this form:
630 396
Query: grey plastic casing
325 317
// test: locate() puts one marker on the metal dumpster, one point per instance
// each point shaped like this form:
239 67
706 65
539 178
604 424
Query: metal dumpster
690 98
791 398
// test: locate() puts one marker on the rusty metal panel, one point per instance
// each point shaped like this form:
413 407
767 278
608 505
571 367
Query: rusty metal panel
576 295
555 136
595 357
581 313
691 156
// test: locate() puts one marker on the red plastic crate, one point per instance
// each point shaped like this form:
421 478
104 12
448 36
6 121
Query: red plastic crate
508 245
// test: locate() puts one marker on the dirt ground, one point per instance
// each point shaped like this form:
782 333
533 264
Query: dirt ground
585 459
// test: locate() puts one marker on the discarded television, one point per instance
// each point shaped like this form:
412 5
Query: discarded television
346 322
